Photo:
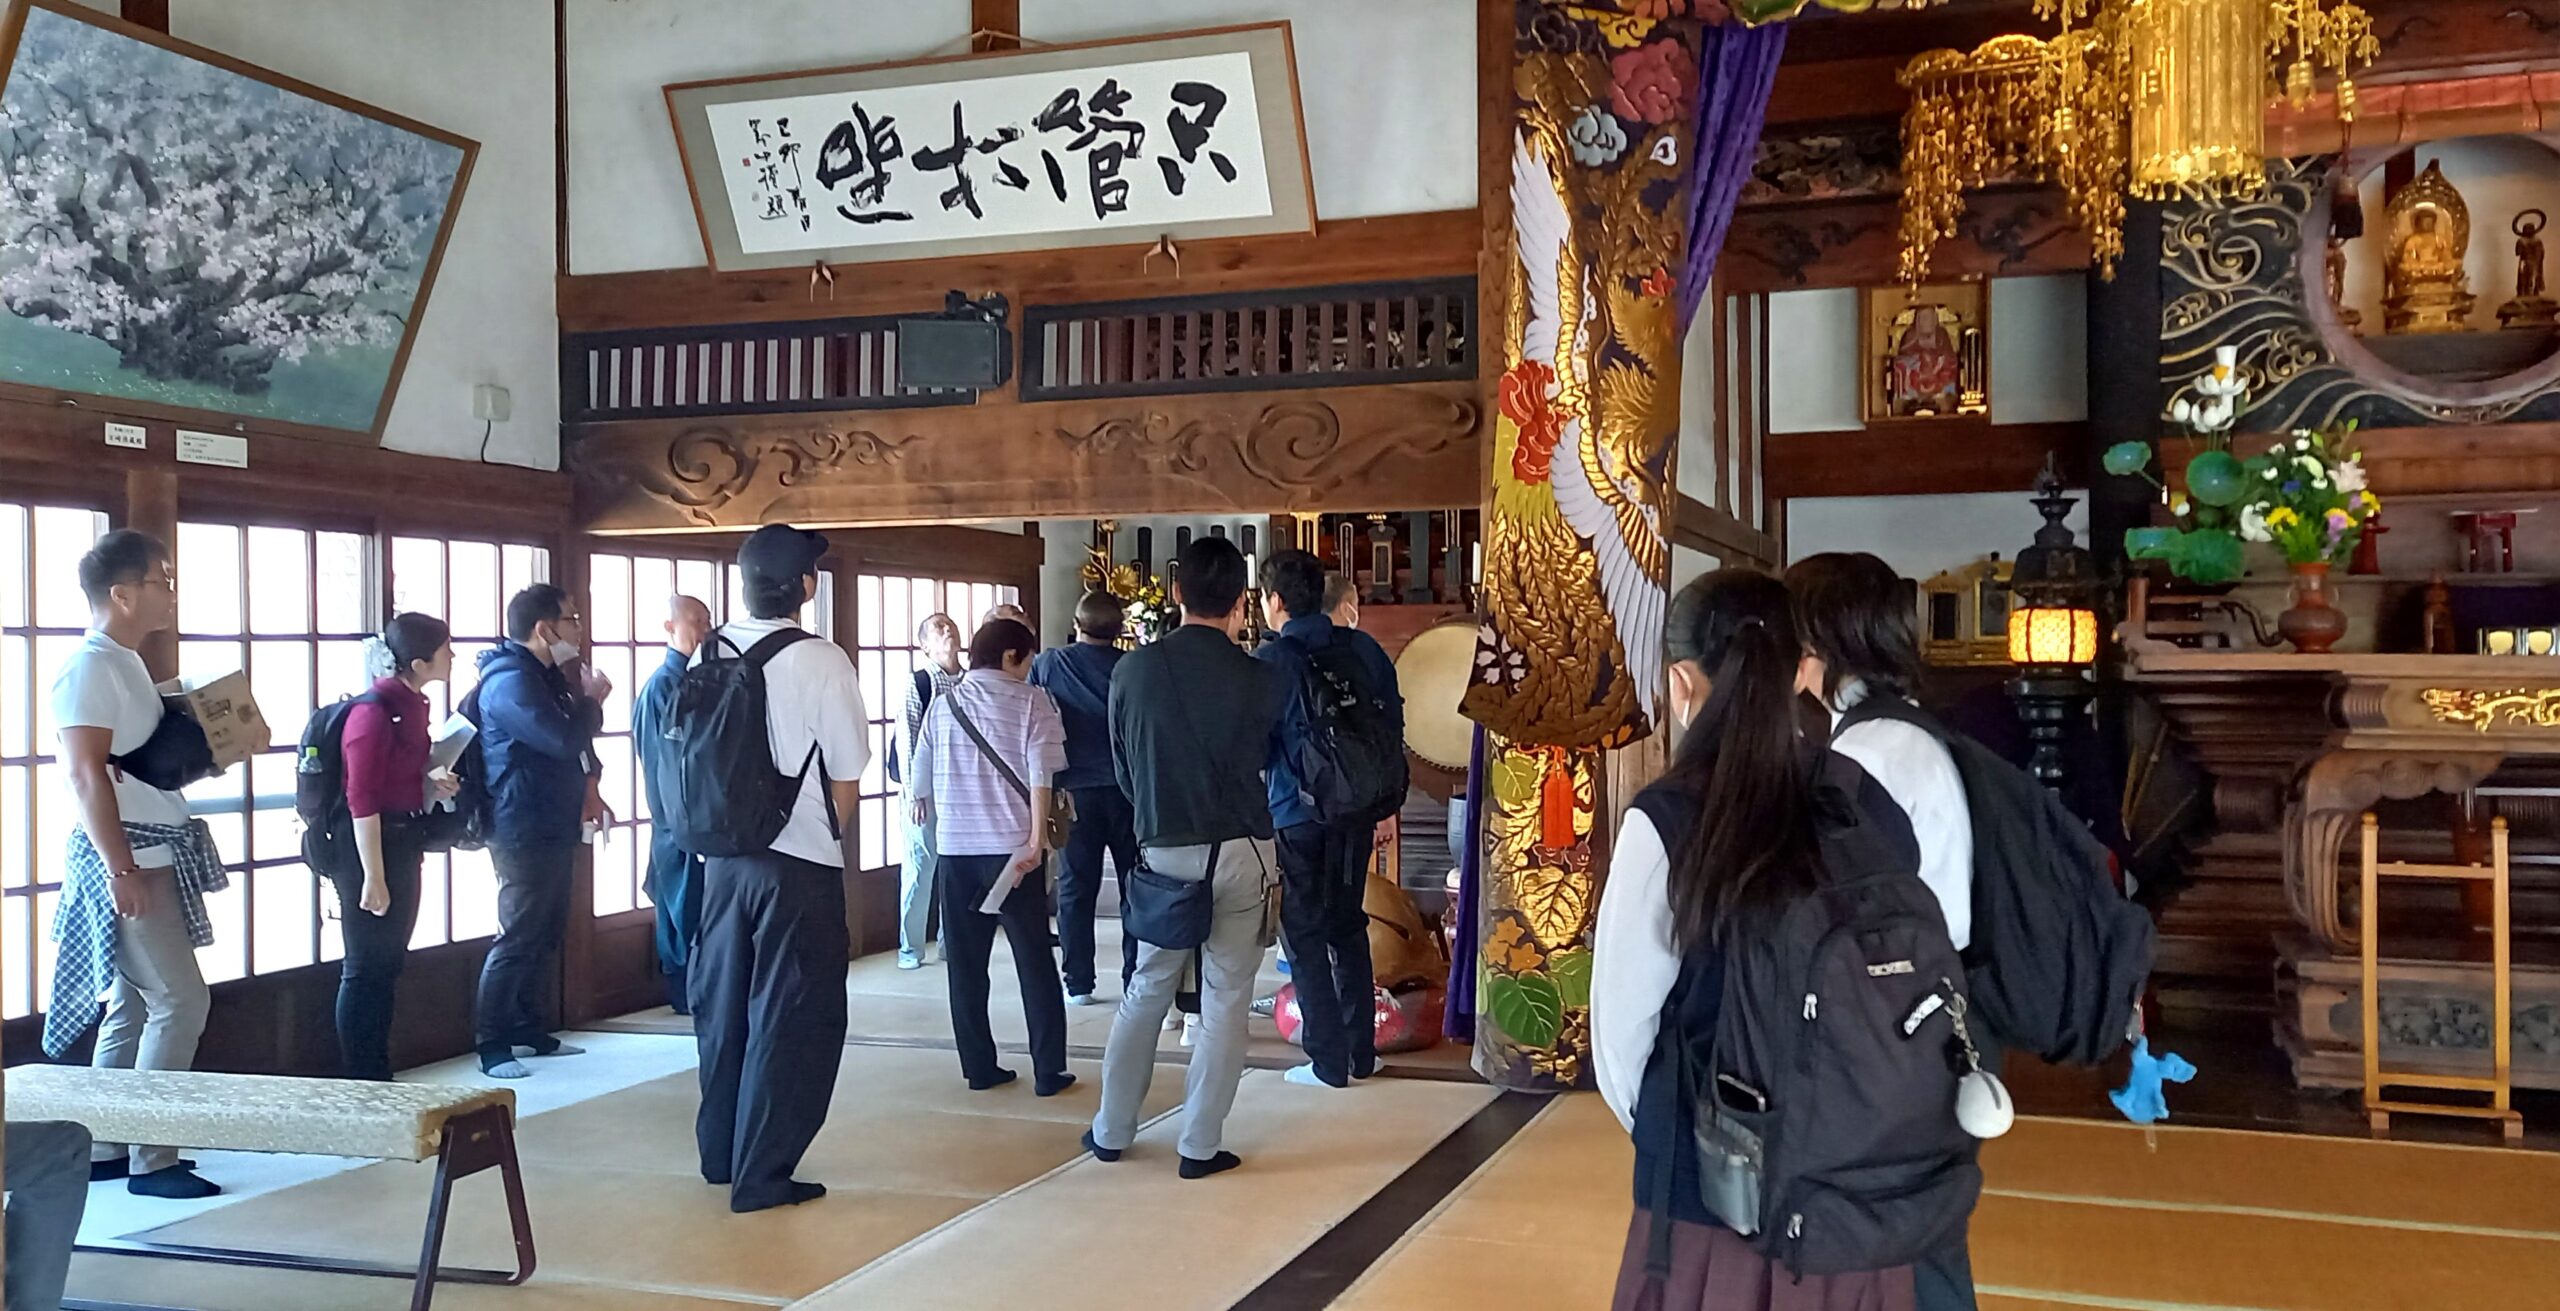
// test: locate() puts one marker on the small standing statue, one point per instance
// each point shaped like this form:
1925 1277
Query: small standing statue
2430 291
2533 306
2348 315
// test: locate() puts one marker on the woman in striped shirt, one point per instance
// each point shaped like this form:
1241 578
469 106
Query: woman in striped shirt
981 778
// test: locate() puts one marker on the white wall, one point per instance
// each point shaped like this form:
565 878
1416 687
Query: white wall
1388 87
2039 355
2039 374
2499 177
482 69
1388 92
1921 535
628 206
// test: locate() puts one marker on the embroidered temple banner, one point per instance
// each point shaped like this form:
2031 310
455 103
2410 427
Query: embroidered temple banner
1196 134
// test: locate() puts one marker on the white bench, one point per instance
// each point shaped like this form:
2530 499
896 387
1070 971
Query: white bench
463 1130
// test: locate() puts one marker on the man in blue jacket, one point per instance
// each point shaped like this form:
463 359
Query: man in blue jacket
1324 868
1078 678
537 734
675 875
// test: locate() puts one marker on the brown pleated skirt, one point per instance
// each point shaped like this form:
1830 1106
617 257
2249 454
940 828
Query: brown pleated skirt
1714 1269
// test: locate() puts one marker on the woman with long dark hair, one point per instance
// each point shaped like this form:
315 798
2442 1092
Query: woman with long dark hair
385 744
1727 839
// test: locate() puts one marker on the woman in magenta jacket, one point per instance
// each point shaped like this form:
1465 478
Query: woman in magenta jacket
385 745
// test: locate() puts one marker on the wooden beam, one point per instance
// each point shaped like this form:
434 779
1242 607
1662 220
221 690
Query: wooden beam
153 14
1918 457
1405 246
64 448
1702 527
560 138
995 25
1414 446
1857 243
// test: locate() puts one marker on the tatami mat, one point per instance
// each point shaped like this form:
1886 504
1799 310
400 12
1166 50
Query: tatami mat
2091 1217
890 1005
618 1209
1131 1234
1538 1226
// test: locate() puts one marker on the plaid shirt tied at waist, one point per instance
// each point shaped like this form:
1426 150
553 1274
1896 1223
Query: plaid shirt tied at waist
85 923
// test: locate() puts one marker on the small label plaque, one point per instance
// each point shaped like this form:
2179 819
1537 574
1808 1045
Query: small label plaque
213 448
126 436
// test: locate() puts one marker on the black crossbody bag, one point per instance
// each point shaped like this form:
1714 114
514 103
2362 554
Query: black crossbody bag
1167 912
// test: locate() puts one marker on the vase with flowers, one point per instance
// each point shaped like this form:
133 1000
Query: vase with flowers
2307 496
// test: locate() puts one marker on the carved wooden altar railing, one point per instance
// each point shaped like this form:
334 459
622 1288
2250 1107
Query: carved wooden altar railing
2380 727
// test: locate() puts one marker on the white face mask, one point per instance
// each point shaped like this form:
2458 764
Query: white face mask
563 652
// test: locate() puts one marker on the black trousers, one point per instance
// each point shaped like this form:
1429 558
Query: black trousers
768 1017
1104 823
1323 872
533 911
1943 1280
377 951
969 936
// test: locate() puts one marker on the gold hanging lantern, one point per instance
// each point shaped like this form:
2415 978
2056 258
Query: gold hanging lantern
2200 97
2151 97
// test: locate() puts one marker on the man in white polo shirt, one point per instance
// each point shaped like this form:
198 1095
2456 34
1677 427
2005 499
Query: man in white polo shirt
132 912
768 973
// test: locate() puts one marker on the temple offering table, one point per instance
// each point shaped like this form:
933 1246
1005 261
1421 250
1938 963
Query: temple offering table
2300 748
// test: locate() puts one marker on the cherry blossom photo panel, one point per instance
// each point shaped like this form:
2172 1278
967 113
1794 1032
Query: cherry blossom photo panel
191 237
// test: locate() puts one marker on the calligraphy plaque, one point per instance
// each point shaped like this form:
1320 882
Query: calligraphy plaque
1195 134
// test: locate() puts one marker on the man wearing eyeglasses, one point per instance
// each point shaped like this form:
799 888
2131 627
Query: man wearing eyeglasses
537 735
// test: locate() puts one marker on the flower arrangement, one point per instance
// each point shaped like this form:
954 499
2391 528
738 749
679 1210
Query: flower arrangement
1150 613
2307 495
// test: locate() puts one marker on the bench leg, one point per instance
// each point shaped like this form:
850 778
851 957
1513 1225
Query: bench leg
473 1143
481 1140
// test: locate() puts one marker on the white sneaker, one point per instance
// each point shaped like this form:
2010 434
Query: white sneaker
1190 1029
1172 1021
1084 999
1305 1076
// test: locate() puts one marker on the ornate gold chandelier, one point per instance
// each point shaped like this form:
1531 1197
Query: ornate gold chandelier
2151 97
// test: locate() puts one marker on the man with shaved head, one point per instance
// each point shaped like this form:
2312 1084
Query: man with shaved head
675 875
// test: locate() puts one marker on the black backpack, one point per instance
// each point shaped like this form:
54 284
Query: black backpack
2059 956
467 821
320 789
1824 1112
1351 763
730 799
924 689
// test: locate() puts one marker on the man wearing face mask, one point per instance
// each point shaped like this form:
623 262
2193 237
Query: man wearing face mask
538 707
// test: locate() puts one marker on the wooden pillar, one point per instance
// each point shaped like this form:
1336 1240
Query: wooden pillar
151 506
1565 650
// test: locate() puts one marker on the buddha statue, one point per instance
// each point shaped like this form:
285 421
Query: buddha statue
2430 291
2533 306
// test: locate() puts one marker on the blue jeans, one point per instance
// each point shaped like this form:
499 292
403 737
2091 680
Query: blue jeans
915 893
48 1190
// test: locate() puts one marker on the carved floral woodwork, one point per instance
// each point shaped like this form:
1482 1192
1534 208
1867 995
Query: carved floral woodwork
2308 745
1410 446
2336 791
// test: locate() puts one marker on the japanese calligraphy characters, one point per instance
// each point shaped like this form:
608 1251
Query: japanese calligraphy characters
1152 145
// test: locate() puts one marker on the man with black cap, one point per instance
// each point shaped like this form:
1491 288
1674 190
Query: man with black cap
768 973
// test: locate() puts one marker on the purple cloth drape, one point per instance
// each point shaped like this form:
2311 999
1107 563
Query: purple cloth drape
1736 67
1458 1017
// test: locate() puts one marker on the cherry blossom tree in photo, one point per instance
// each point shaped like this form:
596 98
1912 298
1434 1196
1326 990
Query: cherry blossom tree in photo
208 226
